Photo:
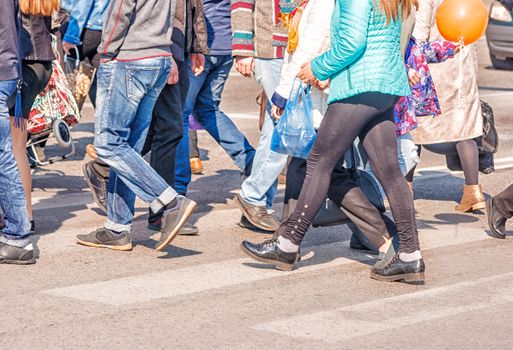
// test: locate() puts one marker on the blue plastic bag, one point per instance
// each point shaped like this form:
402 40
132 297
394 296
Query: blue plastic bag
294 134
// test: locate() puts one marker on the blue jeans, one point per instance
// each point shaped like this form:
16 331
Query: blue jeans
261 186
12 196
203 100
126 95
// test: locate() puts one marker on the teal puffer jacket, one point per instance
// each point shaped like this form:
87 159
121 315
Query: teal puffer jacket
365 54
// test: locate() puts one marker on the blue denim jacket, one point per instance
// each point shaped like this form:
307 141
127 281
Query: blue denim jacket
83 14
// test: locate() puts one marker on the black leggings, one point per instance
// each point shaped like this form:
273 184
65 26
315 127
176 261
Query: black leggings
467 152
369 116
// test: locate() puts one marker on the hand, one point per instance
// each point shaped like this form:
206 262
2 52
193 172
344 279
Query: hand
173 75
322 85
245 65
67 47
413 77
197 63
276 112
306 74
459 46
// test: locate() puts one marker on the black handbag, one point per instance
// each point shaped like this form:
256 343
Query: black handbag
331 215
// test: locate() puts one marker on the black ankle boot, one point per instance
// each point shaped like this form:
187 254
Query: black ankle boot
496 221
398 270
268 252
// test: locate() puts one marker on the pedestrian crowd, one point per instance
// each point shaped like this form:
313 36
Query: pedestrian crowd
382 81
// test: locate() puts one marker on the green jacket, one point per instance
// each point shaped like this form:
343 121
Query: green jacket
365 54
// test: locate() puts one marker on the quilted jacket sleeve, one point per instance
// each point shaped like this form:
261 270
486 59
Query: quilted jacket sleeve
348 40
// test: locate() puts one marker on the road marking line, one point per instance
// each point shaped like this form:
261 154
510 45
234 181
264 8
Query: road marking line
391 313
201 278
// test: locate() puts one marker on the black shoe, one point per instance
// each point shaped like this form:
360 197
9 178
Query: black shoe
16 255
104 238
268 252
32 228
174 219
97 184
398 270
496 222
258 216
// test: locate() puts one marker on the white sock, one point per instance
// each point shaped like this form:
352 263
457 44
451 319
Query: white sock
286 245
409 257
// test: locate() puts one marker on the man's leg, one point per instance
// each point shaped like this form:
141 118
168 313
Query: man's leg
15 246
208 113
259 189
499 209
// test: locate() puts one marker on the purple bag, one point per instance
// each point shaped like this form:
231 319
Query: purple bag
193 123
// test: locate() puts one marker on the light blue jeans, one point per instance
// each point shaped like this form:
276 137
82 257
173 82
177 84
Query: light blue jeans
127 92
261 186
12 196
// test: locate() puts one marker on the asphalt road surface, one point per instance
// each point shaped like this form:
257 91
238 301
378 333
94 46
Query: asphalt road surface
203 293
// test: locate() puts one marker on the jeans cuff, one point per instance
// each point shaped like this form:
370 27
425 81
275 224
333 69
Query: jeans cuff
109 225
164 199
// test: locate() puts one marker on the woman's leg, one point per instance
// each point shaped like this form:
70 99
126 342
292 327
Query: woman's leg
342 123
380 143
19 141
469 157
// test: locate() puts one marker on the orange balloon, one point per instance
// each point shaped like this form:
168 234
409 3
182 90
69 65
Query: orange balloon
462 20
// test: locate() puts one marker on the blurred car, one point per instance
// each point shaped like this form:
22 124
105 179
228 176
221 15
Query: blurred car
499 34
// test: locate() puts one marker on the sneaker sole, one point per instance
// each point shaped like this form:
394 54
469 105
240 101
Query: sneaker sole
411 278
278 265
125 248
18 262
248 217
91 188
183 220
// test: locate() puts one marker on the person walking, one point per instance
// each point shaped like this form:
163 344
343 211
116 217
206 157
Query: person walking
454 131
367 78
499 210
259 43
84 32
136 64
15 245
37 55
204 98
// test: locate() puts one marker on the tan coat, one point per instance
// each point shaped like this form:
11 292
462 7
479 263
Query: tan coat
456 84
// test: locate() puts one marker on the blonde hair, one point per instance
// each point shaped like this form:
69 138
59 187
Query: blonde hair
392 8
39 7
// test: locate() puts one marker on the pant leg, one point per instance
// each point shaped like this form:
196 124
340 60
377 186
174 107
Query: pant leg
343 122
183 173
166 128
504 202
127 92
12 195
193 144
261 186
380 143
207 112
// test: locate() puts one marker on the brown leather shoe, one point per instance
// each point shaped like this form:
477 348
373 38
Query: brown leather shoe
473 199
196 165
91 152
256 215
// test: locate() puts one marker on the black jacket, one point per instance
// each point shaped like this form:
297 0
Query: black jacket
36 41
189 29
8 40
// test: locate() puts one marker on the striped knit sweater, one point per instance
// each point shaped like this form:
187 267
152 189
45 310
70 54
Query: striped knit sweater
257 27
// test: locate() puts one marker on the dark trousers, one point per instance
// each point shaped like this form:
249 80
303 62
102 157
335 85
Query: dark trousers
193 144
91 39
368 116
347 195
504 202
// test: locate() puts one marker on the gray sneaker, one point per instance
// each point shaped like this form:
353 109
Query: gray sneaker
258 216
174 219
10 254
103 238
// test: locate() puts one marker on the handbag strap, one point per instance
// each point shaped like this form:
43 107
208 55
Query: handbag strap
19 84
